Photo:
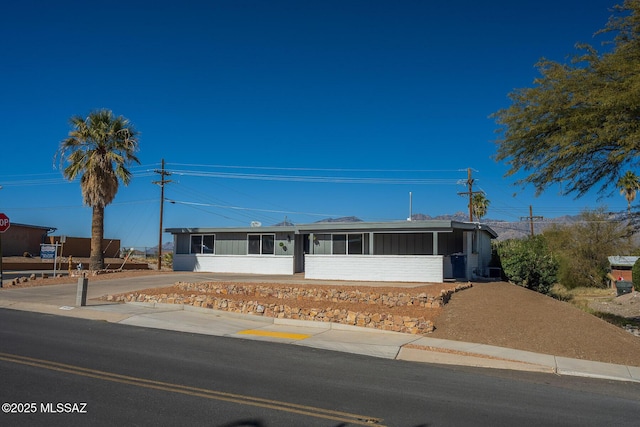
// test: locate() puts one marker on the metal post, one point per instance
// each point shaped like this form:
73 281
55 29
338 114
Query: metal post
470 185
55 259
81 292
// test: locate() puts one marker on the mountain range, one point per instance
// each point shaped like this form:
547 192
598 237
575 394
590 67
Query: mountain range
505 229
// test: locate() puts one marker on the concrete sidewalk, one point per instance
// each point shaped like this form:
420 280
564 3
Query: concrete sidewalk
60 300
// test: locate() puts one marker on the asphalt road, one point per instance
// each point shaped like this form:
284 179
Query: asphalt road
70 371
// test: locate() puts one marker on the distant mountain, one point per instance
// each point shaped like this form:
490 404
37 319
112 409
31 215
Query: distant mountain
166 247
516 230
458 216
505 229
341 219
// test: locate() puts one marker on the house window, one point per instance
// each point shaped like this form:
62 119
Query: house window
202 243
261 244
351 244
339 244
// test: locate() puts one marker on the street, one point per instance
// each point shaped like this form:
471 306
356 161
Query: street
66 371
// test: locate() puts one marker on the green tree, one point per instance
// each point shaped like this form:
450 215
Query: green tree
583 248
528 263
99 149
479 205
578 125
635 273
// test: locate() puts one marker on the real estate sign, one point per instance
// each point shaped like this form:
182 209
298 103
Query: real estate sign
48 252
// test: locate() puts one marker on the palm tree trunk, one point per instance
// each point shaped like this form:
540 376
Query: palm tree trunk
96 262
629 229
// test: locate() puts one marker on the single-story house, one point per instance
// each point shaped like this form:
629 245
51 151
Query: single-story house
406 251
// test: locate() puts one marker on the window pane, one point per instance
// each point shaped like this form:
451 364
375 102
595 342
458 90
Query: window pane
254 244
355 244
340 244
268 243
196 244
208 244
322 244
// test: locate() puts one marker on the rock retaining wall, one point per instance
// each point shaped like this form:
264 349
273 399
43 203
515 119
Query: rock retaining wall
247 299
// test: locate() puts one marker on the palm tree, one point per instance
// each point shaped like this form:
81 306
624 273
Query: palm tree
99 147
479 205
629 184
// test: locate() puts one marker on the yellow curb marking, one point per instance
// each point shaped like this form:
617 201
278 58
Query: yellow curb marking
284 335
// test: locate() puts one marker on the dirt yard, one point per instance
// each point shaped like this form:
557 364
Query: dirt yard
506 315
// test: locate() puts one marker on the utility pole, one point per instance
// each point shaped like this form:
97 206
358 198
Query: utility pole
161 183
470 193
531 218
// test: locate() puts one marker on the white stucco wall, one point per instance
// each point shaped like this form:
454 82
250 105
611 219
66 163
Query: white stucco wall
472 266
383 268
258 264
447 272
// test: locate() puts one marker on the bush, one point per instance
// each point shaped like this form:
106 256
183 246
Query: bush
635 272
560 293
528 263
167 260
582 248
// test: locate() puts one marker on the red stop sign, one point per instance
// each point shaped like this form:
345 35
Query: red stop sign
4 223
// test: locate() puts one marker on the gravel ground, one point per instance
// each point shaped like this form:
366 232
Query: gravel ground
506 315
627 305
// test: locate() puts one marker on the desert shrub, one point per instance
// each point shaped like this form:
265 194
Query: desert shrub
582 248
528 263
561 293
167 260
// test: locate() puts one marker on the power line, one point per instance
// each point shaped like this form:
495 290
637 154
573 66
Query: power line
317 169
179 202
318 179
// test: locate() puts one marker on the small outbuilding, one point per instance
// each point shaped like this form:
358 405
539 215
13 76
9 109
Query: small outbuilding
622 268
406 251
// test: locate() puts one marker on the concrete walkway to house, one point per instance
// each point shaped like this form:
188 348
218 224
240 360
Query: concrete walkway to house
61 300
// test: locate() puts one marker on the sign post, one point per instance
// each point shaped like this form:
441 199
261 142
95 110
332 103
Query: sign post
50 252
4 226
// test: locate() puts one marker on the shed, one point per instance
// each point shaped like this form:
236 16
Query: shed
621 268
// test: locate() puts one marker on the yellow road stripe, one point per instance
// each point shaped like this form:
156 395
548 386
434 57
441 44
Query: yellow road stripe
195 391
284 335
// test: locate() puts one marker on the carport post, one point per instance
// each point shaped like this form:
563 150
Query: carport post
81 293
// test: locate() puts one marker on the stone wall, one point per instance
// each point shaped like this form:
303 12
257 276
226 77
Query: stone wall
259 300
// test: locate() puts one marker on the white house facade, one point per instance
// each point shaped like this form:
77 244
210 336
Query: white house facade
407 251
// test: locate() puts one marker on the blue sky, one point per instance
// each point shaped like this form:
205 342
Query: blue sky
266 109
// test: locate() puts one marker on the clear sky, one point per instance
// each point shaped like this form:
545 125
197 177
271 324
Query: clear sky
266 109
